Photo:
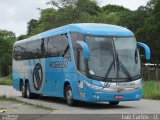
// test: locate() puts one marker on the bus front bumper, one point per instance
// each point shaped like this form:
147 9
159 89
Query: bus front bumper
98 96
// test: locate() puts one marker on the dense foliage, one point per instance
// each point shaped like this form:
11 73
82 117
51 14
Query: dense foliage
144 22
7 39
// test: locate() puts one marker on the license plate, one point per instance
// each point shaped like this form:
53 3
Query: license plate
118 97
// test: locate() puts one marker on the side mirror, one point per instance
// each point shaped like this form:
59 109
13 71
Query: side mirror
82 45
146 48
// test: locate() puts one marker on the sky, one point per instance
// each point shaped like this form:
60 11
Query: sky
16 13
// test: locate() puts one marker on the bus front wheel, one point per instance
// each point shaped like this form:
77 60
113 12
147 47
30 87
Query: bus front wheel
114 103
69 96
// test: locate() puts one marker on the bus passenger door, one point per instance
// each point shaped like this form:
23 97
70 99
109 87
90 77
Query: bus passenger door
56 53
53 76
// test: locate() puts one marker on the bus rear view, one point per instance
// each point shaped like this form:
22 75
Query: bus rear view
103 65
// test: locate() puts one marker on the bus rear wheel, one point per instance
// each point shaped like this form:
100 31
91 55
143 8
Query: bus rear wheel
69 96
114 103
23 90
29 95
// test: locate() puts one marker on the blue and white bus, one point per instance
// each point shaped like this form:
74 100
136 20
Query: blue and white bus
80 62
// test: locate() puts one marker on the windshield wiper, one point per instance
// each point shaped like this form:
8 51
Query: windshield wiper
109 69
122 66
113 63
119 65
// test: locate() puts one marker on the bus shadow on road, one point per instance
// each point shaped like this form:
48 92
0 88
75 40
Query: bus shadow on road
86 105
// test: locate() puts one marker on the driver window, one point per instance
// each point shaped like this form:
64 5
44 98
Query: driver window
81 62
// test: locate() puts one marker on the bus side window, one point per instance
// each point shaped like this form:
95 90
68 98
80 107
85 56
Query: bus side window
57 46
81 65
42 48
52 48
74 38
20 52
64 46
17 53
34 49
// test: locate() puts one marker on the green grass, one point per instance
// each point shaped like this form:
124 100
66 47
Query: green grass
6 80
4 98
151 89
2 108
38 106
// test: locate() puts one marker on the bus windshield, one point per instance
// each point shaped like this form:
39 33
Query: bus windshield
113 57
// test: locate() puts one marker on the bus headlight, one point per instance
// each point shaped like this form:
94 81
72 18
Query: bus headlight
137 86
92 86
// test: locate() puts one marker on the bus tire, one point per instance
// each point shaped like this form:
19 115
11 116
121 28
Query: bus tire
23 90
114 103
29 95
69 96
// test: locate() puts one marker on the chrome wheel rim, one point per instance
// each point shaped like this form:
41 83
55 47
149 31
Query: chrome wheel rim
69 96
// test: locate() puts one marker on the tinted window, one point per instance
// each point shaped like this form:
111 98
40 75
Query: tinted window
34 49
74 38
81 62
57 46
20 51
17 52
52 48
48 47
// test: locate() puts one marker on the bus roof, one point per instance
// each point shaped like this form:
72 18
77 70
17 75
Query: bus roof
86 28
101 29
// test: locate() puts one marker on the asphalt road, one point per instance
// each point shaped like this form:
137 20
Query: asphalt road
136 107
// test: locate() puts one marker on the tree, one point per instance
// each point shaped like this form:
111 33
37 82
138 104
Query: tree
48 19
21 37
69 11
62 3
151 27
113 8
7 39
144 22
111 14
32 27
74 11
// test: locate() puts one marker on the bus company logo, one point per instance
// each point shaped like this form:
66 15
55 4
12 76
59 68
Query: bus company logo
107 85
37 76
126 85
58 64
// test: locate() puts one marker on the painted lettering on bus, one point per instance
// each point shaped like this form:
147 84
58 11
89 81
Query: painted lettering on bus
58 64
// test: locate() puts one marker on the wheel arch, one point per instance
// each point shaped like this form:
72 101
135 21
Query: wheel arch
66 83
